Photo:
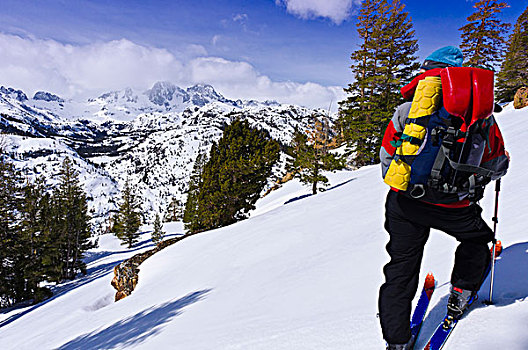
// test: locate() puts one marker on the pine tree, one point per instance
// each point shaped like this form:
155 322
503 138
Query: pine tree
397 61
33 235
514 68
54 238
311 155
191 218
483 37
9 229
157 233
384 61
73 220
128 218
48 251
174 210
42 236
234 176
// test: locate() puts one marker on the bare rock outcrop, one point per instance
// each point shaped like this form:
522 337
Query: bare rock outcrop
126 273
521 98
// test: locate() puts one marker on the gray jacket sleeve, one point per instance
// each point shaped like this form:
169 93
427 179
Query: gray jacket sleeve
398 124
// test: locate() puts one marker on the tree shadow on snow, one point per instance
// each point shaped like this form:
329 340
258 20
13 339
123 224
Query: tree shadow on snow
510 286
135 329
92 274
63 288
294 199
93 256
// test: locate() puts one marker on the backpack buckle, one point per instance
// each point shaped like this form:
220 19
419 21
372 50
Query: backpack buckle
450 137
436 133
434 183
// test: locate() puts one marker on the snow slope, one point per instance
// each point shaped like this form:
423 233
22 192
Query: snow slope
303 275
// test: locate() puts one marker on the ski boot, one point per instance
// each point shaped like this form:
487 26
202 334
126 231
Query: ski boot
459 301
398 347
407 346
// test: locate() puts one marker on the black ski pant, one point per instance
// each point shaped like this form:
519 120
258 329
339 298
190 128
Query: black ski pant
408 223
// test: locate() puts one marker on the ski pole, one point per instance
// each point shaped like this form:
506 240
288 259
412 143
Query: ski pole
495 221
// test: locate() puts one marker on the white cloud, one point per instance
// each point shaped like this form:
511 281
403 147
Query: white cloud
241 80
242 20
196 50
84 71
33 64
215 39
240 17
335 10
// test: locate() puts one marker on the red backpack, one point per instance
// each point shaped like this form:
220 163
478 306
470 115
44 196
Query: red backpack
438 157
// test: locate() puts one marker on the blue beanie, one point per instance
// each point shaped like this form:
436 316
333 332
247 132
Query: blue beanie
448 56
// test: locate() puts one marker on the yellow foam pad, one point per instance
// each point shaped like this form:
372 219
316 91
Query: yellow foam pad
398 175
416 131
427 98
408 149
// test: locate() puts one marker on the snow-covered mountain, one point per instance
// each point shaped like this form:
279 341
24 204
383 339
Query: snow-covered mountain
151 138
302 275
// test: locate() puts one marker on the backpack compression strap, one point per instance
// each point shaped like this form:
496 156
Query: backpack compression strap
436 180
443 155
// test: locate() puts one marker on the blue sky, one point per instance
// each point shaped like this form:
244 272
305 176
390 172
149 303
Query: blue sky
290 50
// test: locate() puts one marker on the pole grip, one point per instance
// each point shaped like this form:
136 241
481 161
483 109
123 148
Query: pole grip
495 218
498 185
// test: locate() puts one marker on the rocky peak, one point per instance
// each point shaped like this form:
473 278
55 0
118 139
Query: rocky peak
204 89
163 92
202 94
112 96
47 96
130 96
271 103
19 95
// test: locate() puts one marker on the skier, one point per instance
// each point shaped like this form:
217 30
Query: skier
408 221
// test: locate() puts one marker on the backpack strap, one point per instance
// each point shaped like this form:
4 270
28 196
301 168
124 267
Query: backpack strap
466 167
436 179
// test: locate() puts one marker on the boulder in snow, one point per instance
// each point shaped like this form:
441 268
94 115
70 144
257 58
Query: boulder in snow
521 98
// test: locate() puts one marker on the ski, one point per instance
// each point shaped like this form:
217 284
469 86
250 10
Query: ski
444 330
421 307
